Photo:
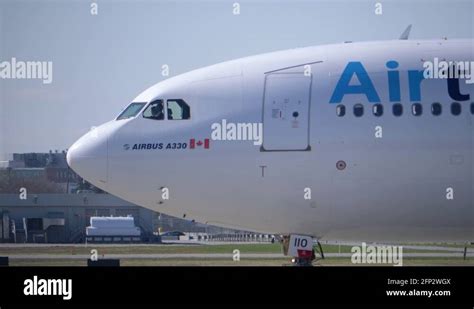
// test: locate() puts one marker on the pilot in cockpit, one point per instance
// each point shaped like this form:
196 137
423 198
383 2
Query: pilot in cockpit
157 111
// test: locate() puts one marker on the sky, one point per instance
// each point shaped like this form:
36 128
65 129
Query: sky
102 61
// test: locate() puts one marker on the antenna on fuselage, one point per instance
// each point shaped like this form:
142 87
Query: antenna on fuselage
406 33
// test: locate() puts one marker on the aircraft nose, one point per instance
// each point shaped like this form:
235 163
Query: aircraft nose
88 157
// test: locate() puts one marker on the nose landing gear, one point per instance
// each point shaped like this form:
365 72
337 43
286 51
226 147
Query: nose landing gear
302 249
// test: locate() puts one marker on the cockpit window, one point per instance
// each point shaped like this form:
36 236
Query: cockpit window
155 110
178 110
131 111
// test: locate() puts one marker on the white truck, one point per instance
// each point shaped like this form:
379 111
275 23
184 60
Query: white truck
111 229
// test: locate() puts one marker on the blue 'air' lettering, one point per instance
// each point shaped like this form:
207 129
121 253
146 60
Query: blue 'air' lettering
393 81
415 78
366 87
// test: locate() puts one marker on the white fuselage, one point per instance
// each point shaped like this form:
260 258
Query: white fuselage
391 187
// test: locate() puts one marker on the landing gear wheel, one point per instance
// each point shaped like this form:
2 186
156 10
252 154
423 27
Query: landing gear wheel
304 261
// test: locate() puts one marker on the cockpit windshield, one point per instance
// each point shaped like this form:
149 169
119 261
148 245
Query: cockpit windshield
131 111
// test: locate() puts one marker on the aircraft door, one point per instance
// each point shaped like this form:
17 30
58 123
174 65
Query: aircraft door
286 112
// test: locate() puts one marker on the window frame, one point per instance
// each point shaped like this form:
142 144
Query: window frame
144 104
149 104
342 108
401 109
177 100
378 105
354 110
413 109
456 104
440 108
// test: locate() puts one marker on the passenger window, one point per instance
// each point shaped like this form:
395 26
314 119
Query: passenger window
178 110
155 110
436 109
417 109
455 108
358 110
340 110
377 110
397 109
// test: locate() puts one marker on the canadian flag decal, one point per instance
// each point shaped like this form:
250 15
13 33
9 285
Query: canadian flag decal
195 144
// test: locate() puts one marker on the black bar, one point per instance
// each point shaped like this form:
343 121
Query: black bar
103 263
283 285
